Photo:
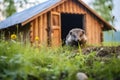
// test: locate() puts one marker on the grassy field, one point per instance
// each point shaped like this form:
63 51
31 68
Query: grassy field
23 62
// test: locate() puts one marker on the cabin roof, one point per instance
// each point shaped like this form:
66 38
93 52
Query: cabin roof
22 16
25 15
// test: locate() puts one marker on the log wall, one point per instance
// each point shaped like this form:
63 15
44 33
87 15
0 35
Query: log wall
38 29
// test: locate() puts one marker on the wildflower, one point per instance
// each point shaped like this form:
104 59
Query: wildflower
13 36
36 38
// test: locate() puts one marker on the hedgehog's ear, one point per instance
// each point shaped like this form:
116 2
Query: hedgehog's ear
83 32
70 33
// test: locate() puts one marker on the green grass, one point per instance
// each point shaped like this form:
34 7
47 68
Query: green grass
111 43
23 62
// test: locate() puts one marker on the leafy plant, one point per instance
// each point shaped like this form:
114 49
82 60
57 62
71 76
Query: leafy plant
23 62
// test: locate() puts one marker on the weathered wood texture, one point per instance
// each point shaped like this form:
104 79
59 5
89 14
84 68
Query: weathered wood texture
38 29
93 27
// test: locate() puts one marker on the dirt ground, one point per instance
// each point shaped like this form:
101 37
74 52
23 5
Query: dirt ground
103 51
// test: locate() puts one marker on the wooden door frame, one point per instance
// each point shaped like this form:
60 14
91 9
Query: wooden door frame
50 28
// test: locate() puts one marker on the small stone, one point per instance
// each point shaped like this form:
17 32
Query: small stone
118 56
81 76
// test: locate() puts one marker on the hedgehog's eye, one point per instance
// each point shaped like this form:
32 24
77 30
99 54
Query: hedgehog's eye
81 35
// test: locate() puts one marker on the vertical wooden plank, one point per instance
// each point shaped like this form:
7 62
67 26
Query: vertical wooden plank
36 27
70 9
101 33
77 8
74 7
81 9
96 29
67 6
90 29
63 8
54 9
58 8
98 32
45 27
33 29
31 32
41 35
39 28
87 28
34 34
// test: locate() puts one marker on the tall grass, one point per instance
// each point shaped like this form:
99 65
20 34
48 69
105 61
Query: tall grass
23 62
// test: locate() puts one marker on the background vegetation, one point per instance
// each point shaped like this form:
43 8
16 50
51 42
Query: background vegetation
23 62
26 62
104 8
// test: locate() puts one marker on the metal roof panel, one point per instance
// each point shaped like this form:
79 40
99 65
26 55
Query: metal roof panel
26 14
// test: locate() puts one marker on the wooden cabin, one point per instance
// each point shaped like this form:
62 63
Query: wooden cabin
51 21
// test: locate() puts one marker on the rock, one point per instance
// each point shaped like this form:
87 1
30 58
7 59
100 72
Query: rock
81 76
118 56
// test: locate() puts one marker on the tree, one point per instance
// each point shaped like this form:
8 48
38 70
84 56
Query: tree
104 9
10 8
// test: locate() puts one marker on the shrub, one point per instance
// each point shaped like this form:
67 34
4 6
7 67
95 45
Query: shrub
23 62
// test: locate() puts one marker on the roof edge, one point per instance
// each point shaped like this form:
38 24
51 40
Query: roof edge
46 10
84 4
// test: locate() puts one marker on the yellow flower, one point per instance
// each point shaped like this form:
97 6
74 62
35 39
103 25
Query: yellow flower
13 36
36 38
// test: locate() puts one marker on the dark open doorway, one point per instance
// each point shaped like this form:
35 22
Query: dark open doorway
70 21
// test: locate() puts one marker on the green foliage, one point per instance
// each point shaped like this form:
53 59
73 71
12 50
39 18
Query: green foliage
10 6
104 8
23 62
111 43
